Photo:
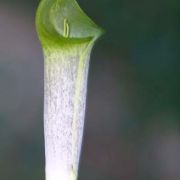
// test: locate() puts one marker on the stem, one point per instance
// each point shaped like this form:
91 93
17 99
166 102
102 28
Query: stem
67 36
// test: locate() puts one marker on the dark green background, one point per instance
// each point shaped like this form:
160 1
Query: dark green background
132 129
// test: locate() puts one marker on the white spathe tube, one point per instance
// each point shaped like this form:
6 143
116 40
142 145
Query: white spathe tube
65 83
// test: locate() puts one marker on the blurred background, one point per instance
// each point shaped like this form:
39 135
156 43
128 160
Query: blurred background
132 129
